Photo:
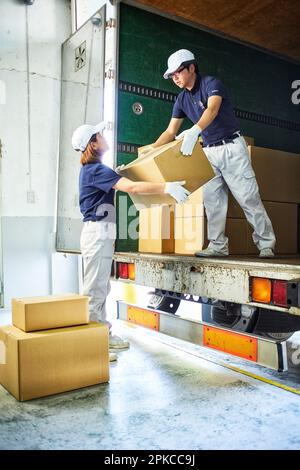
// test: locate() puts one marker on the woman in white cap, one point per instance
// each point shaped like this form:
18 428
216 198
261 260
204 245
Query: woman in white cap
97 183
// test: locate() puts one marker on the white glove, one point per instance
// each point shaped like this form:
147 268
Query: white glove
119 168
177 191
143 151
190 137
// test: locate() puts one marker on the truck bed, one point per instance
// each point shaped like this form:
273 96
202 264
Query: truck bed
279 262
223 278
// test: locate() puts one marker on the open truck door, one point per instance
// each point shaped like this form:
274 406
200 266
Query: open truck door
82 101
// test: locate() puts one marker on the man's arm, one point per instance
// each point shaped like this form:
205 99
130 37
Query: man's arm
190 136
169 134
211 112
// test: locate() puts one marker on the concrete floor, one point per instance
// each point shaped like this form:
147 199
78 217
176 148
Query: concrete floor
159 397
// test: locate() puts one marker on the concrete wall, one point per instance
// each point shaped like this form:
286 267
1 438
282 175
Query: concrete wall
30 70
83 10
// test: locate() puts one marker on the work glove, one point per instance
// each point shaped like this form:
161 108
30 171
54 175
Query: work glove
143 151
190 137
177 191
119 168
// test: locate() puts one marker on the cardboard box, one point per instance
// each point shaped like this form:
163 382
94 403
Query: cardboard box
194 207
43 363
277 174
191 232
164 164
249 140
143 151
191 235
156 233
284 218
52 311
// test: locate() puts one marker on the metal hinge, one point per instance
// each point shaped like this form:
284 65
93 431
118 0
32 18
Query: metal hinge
110 74
111 23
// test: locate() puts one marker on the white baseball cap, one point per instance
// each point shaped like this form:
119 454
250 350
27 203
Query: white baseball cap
82 135
175 60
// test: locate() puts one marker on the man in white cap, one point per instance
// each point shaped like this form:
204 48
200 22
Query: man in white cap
97 184
204 100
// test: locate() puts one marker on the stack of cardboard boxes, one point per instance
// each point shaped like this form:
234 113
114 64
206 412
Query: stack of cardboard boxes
51 347
183 228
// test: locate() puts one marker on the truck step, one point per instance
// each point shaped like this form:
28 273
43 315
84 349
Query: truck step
263 351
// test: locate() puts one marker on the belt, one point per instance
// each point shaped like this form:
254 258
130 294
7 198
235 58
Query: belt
227 140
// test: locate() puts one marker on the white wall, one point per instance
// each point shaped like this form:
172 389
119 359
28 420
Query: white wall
30 69
83 10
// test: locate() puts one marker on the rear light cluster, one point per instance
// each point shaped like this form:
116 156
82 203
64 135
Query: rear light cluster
126 271
269 291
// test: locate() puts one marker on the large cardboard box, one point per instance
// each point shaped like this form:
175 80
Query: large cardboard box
142 151
156 232
284 218
164 164
194 207
249 140
277 174
191 235
191 232
52 311
43 363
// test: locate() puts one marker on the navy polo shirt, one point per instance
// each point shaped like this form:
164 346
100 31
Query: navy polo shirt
96 196
193 103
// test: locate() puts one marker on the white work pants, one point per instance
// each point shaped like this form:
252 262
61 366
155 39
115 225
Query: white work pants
233 170
97 247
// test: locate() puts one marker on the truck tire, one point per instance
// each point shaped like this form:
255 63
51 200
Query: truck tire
275 336
207 313
166 304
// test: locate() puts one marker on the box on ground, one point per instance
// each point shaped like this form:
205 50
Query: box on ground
277 174
43 363
156 233
164 164
53 311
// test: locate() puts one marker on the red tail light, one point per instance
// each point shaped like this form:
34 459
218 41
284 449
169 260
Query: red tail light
280 293
123 270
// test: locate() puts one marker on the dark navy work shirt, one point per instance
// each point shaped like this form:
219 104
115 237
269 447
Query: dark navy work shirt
96 196
192 104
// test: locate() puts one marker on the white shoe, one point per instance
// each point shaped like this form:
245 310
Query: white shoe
113 357
208 252
266 253
115 342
